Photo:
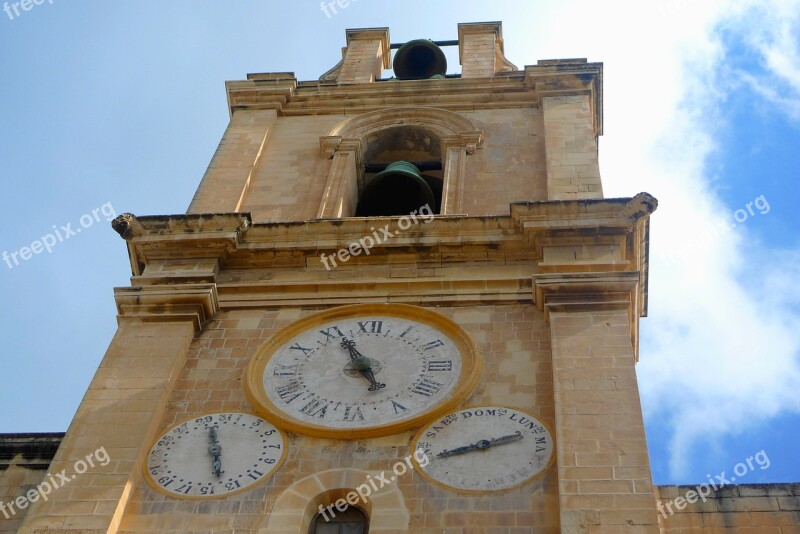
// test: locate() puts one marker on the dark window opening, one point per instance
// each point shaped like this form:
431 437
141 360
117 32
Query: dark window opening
331 521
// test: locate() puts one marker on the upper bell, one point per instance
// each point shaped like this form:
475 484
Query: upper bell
419 59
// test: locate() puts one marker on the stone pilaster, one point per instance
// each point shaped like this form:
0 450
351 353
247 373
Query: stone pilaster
605 483
120 413
481 50
573 171
366 56
231 170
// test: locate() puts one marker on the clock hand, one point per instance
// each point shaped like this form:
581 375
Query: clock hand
458 450
516 436
362 364
481 444
215 450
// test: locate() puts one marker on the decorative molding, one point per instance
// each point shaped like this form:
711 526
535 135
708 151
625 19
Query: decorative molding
440 121
580 292
502 64
569 77
197 303
333 73
298 504
445 291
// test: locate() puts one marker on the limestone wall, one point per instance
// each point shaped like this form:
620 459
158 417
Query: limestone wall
746 508
515 342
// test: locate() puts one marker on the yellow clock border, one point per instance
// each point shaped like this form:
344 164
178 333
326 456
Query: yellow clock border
537 476
156 486
471 368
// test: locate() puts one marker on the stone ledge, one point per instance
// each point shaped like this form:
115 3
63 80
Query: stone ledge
197 303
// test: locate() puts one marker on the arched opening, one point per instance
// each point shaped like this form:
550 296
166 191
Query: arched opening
362 146
393 188
352 520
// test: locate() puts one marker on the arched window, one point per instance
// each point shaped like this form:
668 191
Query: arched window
436 141
352 521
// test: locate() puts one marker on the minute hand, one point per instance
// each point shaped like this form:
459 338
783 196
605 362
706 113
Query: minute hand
482 444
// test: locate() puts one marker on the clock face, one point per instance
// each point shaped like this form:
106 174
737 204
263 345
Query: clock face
364 370
487 448
215 455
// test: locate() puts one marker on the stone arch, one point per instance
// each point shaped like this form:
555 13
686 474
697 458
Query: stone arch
443 122
299 503
346 144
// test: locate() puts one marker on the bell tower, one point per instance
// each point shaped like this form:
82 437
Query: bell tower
397 303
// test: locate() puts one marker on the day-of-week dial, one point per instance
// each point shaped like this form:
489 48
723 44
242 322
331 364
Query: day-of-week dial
485 449
215 454
361 372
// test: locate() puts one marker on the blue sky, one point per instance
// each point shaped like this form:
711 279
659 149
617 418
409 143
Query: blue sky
111 105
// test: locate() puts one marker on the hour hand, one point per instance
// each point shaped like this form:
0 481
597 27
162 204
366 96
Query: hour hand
458 450
481 444
215 450
362 364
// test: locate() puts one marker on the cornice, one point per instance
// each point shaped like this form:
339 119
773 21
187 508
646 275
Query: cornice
196 303
580 292
226 242
563 77
514 89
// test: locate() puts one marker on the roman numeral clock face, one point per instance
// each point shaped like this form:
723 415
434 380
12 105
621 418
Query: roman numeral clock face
363 371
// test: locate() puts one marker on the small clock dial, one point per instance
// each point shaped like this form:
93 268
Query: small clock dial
487 448
372 368
215 455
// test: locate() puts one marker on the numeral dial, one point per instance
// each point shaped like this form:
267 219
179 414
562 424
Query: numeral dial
215 455
486 448
363 370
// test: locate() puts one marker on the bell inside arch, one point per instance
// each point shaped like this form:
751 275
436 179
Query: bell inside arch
398 190
419 59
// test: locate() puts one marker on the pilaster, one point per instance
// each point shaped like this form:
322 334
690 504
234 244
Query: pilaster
481 51
573 170
340 197
122 409
228 178
366 56
605 483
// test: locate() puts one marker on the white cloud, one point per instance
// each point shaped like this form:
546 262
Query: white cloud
775 38
721 345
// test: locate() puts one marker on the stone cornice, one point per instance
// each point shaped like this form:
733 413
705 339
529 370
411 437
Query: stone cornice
559 77
553 222
515 89
196 303
422 291
571 292
199 249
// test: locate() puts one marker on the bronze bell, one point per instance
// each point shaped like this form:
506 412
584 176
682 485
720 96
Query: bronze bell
419 59
397 190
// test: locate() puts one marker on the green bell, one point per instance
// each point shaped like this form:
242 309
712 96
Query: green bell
419 59
397 190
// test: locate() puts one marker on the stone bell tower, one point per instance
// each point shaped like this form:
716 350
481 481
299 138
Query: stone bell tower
465 206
